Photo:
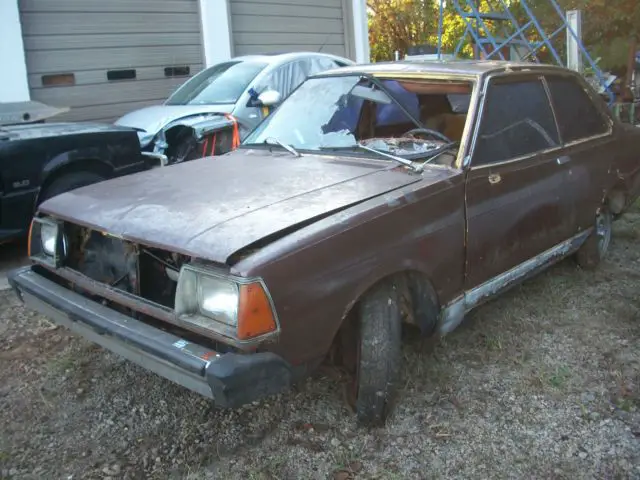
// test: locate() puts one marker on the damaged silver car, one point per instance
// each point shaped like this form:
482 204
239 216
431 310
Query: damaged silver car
212 112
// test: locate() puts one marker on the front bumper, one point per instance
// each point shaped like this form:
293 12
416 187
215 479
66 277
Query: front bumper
229 379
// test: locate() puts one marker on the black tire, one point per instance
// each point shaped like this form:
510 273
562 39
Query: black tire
597 245
379 353
68 182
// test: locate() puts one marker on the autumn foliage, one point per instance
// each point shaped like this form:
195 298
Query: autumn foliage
608 25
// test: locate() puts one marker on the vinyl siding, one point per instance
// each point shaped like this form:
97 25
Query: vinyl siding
88 38
277 26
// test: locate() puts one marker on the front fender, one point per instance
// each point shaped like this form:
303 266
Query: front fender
202 124
317 274
203 127
388 270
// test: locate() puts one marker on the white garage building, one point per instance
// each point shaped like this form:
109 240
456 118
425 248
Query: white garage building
104 58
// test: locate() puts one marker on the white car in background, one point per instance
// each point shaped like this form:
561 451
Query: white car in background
211 112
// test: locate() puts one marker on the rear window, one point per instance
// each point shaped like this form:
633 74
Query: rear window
578 117
223 83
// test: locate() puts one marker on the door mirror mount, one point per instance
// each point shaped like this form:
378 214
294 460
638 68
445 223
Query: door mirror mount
269 98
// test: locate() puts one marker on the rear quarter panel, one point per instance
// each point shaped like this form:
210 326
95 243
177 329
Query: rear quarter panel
317 274
626 159
21 162
590 176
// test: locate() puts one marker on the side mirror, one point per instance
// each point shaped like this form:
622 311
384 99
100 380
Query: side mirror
269 98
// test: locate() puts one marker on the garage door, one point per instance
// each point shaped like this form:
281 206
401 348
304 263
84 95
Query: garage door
104 58
277 26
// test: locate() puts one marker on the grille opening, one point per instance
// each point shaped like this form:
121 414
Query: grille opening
180 332
155 284
124 265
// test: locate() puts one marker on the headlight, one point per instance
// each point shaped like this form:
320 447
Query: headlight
47 240
218 299
215 302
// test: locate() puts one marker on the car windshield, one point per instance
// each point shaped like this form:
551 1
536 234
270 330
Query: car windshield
406 118
221 84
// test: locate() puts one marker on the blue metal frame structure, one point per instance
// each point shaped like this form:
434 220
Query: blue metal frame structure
508 33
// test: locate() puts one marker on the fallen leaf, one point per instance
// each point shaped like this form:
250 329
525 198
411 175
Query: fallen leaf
313 446
342 475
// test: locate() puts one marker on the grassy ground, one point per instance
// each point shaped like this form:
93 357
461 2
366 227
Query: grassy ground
543 382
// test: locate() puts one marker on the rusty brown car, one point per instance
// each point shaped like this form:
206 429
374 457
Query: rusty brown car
375 198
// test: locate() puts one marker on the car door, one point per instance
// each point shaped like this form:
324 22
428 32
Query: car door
586 134
514 198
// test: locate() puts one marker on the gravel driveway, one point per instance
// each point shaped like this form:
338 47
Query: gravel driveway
544 382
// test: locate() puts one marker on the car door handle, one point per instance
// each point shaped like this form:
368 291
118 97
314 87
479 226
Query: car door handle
495 178
563 160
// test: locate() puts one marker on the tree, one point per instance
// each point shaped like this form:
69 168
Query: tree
610 27
399 24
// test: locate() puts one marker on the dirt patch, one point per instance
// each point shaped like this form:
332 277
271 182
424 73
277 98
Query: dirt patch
544 382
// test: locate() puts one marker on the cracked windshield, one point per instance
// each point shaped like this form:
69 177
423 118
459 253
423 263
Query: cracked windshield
403 118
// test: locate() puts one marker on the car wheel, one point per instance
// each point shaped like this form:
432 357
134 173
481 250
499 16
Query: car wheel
68 182
596 246
379 355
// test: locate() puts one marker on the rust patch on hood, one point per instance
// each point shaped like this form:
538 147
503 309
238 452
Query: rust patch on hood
213 207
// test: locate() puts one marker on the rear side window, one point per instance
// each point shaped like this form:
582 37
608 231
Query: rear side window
578 117
289 76
285 78
517 121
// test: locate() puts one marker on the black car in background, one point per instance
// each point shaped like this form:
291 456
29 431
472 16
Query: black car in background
41 160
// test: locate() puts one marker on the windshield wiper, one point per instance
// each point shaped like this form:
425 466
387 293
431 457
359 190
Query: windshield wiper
444 148
358 146
288 148
407 163
417 167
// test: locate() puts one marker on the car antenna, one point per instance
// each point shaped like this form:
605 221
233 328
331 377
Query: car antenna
326 40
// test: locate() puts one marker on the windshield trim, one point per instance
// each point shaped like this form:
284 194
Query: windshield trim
464 146
399 75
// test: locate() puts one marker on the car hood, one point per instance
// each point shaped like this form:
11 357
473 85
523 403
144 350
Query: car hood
213 207
45 130
19 113
151 120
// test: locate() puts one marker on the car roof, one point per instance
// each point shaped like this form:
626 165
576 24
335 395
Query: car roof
454 68
277 58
